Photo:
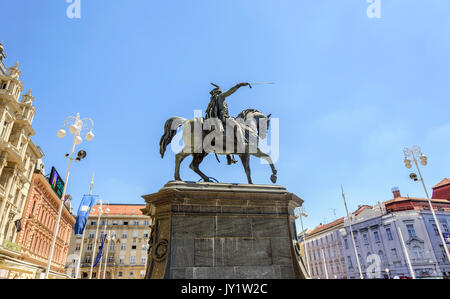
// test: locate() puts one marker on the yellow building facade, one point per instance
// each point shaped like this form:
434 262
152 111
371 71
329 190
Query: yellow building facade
124 255
18 158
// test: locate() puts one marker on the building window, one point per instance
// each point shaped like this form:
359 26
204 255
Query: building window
111 246
146 222
133 246
93 222
4 129
124 235
349 260
145 235
366 239
346 243
144 246
356 239
77 247
120 274
89 247
411 231
444 253
142 273
123 246
444 225
125 223
121 260
436 231
376 236
394 253
389 234
143 260
91 235
132 260
135 234
115 222
131 273
136 223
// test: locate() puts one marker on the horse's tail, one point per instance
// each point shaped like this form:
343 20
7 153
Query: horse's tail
170 130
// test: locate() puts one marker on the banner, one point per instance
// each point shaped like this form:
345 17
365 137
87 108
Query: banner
85 208
100 251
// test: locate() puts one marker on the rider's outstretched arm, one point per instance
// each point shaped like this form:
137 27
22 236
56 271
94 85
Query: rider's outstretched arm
233 89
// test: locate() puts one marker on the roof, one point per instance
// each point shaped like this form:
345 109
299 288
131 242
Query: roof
121 209
442 183
324 227
433 200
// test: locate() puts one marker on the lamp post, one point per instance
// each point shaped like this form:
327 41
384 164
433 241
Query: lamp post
413 153
109 238
100 213
299 215
76 127
101 258
387 272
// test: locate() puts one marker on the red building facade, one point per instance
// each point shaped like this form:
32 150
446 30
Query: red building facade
38 224
442 190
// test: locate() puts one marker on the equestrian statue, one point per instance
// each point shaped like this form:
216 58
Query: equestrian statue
202 136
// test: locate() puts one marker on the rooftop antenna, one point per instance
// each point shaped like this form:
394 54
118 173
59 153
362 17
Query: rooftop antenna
334 212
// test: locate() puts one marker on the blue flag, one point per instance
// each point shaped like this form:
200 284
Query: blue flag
100 251
83 212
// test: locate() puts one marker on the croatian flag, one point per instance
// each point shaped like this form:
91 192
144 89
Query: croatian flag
83 212
100 251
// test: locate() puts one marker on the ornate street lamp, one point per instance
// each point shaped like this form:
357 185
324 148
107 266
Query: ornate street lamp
77 127
412 154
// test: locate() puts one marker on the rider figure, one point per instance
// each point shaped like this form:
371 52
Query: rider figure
218 108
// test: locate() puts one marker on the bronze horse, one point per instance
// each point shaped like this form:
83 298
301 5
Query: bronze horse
249 116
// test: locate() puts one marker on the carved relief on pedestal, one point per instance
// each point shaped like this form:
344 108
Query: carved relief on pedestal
159 247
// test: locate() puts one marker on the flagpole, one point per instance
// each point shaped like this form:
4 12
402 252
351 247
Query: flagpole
82 236
405 250
351 232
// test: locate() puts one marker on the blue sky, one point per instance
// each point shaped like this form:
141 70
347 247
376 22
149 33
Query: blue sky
350 91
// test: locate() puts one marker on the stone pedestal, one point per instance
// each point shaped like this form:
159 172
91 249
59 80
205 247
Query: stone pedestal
223 231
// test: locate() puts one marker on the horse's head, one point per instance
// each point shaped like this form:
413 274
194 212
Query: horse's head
263 126
256 120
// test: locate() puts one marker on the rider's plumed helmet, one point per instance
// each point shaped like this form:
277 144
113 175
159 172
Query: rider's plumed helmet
216 90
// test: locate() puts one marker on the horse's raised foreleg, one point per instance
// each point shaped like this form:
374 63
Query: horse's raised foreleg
178 159
245 158
261 154
197 159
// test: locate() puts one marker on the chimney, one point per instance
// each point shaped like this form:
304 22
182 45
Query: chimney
396 192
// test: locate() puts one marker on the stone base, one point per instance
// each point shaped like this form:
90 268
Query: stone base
223 231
